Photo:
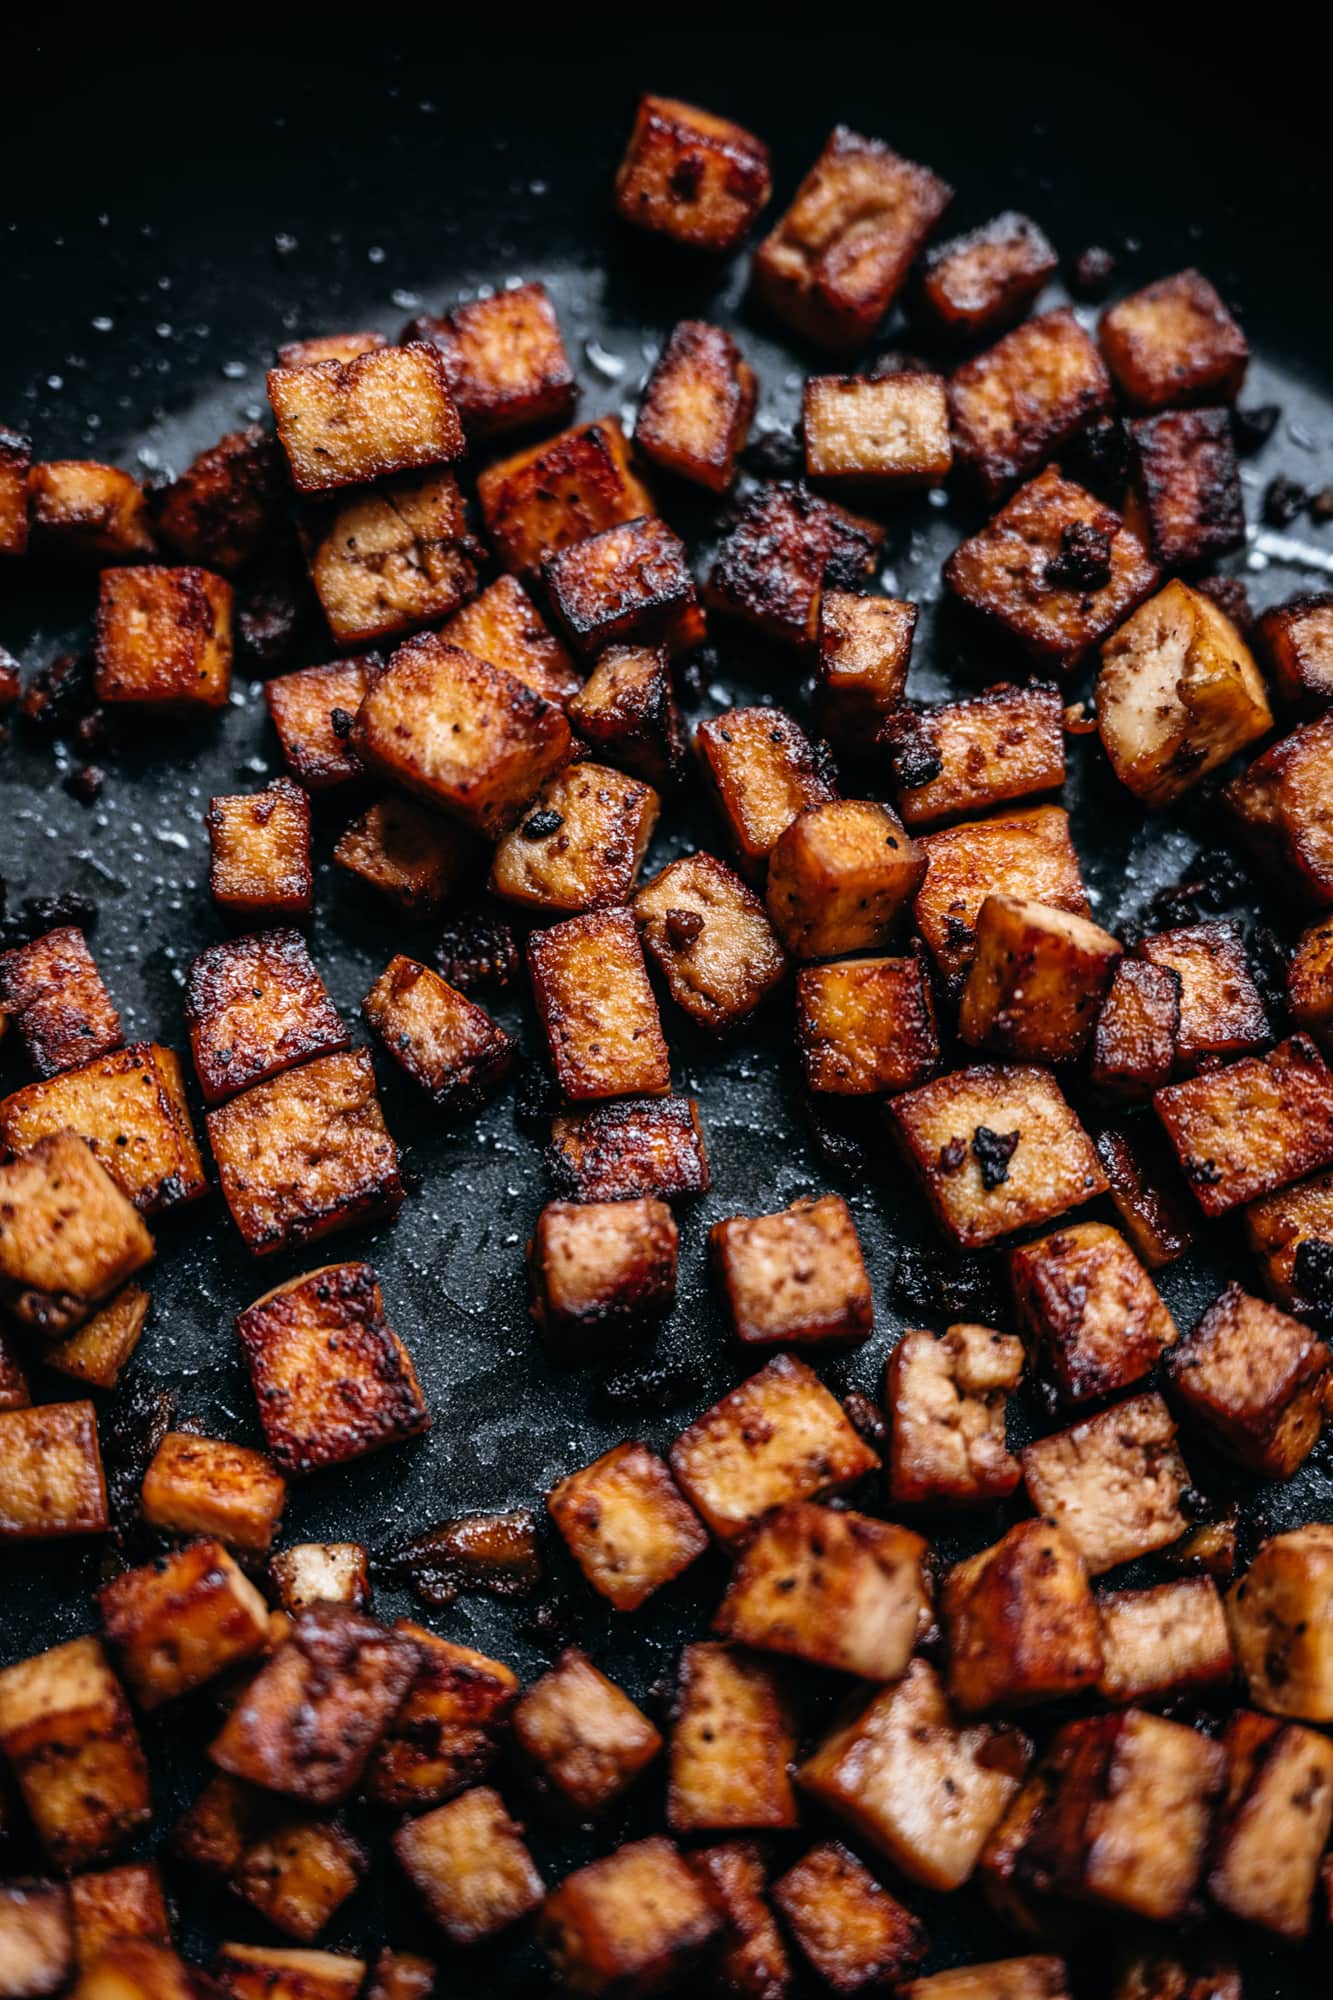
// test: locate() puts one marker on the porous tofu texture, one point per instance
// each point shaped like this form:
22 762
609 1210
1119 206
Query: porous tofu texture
1023 400
761 770
839 876
626 1524
628 585
1254 1381
1281 1619
164 639
580 843
51 1479
260 845
782 549
392 558
636 1146
180 1621
695 414
1004 744
626 712
978 284
69 1740
1162 1642
710 937
255 1006
733 1738
1252 1126
636 1920
866 1026
1037 980
347 422
321 1573
1174 343
581 1738
469 1866
794 1278
1282 805
130 1107
853 1933
1020 1622
601 1271
117 1903
450 1729
1028 855
504 627
865 646
444 1041
885 433
506 361
1113 1482
692 176
205 1486
597 1008
1273 1824
1092 1317
68 1236
556 492
52 995
946 1397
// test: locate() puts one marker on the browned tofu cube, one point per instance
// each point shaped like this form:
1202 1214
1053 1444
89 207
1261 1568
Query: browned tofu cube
780 1437
332 1379
298 1872
444 1041
761 770
402 1975
1310 982
164 639
635 1922
1281 1617
255 1006
267 1972
448 1732
313 710
1187 490
834 263
626 1525
181 1620
621 1151
967 756
597 1008
505 360
1295 643
468 1864
839 877
1113 1482
1028 855
691 175
711 939
1251 1127
783 547
582 1739
1150 1196
405 855
558 492
793 1279
51 1479
1092 1318
226 504
114 1903
1137 1033
1163 1642
130 1107
77 507
37 1954
628 585
601 1271
877 433
69 1740
1037 980
978 284
1273 1824
1279 1226
305 1154
68 1236
504 627
385 561
321 1573
1254 1381
1174 344
946 1397
839 1589
627 712
733 1738
204 1486
15 461
853 1933
866 1026
751 1959
328 347
1020 1622
865 644
1282 806
1023 400
260 844
52 995
697 407
345 423
14 1393
1055 568
580 844
1033 1978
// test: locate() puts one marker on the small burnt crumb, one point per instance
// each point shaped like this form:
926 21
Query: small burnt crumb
543 824
1194 1505
835 1136
1092 272
536 1094
773 454
270 618
1252 428
1098 458
913 755
1312 1277
683 927
1084 559
552 1625
952 1156
867 1419
1080 719
36 915
1229 594
340 722
92 732
1268 965
58 694
650 1391
85 783
942 1284
992 1152
476 950
1321 505
1204 1173
1283 500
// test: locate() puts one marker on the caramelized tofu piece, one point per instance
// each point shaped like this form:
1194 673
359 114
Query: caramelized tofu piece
1295 643
265 1972
255 1006
298 1872
1283 807
114 1903
36 1939
865 645
321 1573
639 1146
1054 568
130 1107
51 1479
1273 1824
557 492
164 640
855 1936
967 756
1281 1617
1163 1642
332 1379
401 1975
877 433
313 710
260 846
839 877
1092 1318
978 284
15 461
69 1740
761 770
1310 982
1254 1126
68 1236
635 1922
227 502
584 1741
1174 344
504 627
1255 1382
305 1154
626 1524
834 263
601 1271
444 1041
204 1486
182 1620
329 347
711 939
405 855
1023 400
780 1437
505 360
839 1589
946 1397
597 1008
1137 1033
465 736
793 1279
995 1149
697 408
785 546
1028 855
1278 1226
626 711
733 1737
1035 1978
345 423
77 507
448 1732
581 843
1113 1482
751 1961
692 176
398 556
1150 1196
1020 1622
1037 980
1187 486
920 1790
469 1866
628 585
866 1026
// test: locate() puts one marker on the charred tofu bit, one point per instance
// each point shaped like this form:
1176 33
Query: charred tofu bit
468 1864
1003 1979
1254 1126
733 1738
853 1933
1150 1196
946 1398
1163 1642
260 846
1278 1226
321 1573
345 423
1023 400
1055 568
839 877
555 493
639 1146
505 360
265 1972
1020 1622
784 548
77 507
1283 807
880 434
37 1954
780 1437
582 1738
448 1732
967 756
332 1379
626 711
1310 982
839 1589
696 411
227 502
597 1008
1273 1825
626 1524
313 710
255 1006
51 1479
692 176
1113 1482
1137 1034
182 1620
866 1026
635 1922
405 855
15 461
69 1740
1092 1317
835 262
711 939
125 1902
1254 1381
1038 977
865 645
580 844
1295 643
444 1041
385 561
504 627
751 1958
130 1107
600 1272
203 1486
628 585
1281 1617
164 640
793 1279
1174 344
1187 486
978 284
1028 855
68 1236
761 770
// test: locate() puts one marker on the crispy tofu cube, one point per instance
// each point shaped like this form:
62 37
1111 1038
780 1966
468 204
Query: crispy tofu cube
1092 1318
332 1379
839 877
1055 568
1187 491
1281 1617
761 771
1295 643
181 1620
1150 1196
1254 1381
1020 1622
692 176
385 561
468 1864
505 361
1173 344
1167 1641
305 1154
255 1006
1310 982
638 1146
204 1486
51 1479
15 461
853 1933
14 1394
130 1107
946 1397
266 1972
627 712
785 546
444 1041
69 1740
580 844
582 1738
1033 1978
1137 1032
1023 400
1282 806
557 492
313 710
866 1026
967 756
227 503
1273 1824
77 507
1253 1126
839 1589
877 433
697 407
597 1008
298 1872
711 939
635 1922
1278 1226
345 423
114 1903
322 1573
504 627
164 640
751 1959
36 1939
1113 1482
733 1738
68 1236
793 1279
1037 980
53 996
402 1975
328 347
627 585
865 644
978 284
1028 855
260 844
448 1732
780 1437
405 855
626 1524
601 1271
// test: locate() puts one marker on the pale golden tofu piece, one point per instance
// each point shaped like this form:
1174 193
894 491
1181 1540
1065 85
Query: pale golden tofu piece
1273 1824
1037 979
260 867
783 547
865 646
597 1008
840 876
1137 1031
1113 1482
1035 1978
1282 805
626 712
270 1972
205 1486
557 492
629 584
1091 1316
580 843
946 1396
69 1740
1178 694
52 996
695 414
581 1738
114 1903
15 463
780 1437
733 1740
504 627
692 176
406 856
1163 1642
255 1006
1174 343
469 1866
444 1041
710 937
600 1272
328 347
36 1939
635 1922
761 770
751 1959
1310 982
793 1279
130 1107
51 1478
449 1731
78 507
227 504
1254 1381
853 1934
626 1524
1253 1126
631 1147
321 1573
1025 399
1278 1226
505 360
866 1026
1026 855
1281 1618
164 640
68 1236
347 422
1020 1622
990 749
178 1622
392 558
298 1871
881 434
1295 642
980 283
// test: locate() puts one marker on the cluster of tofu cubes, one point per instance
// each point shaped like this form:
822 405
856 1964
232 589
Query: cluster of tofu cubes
500 710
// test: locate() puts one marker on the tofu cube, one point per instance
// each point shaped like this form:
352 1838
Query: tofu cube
1273 1825
540 500
1164 1642
505 361
976 285
581 843
100 1351
1020 1622
627 585
182 1620
260 845
778 1438
329 347
1113 1482
227 504
864 646
402 1975
164 640
130 1107
854 1935
68 1236
751 1958
1310 982
298 1872
1187 490
1037 979
69 1741
634 1922
36 1939
254 1007
626 711
1254 1381
695 414
51 1478
1137 1032
388 560
504 627
783 548
1035 1978
204 1486
636 1147
1024 400
691 176
321 1573
266 1972
626 1525
115 1903
444 1041
1295 643
405 855
733 1739
1174 344
1281 807
947 1395
761 770
866 1026
597 1008
967 756
877 433
345 423
449 1731
305 1154
332 1379
601 1272
15 461
1028 855
839 877
313 710
468 1864
1278 1226
1281 1618
583 1740
1091 1316
77 507
793 1279
1253 1126
1150 1195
